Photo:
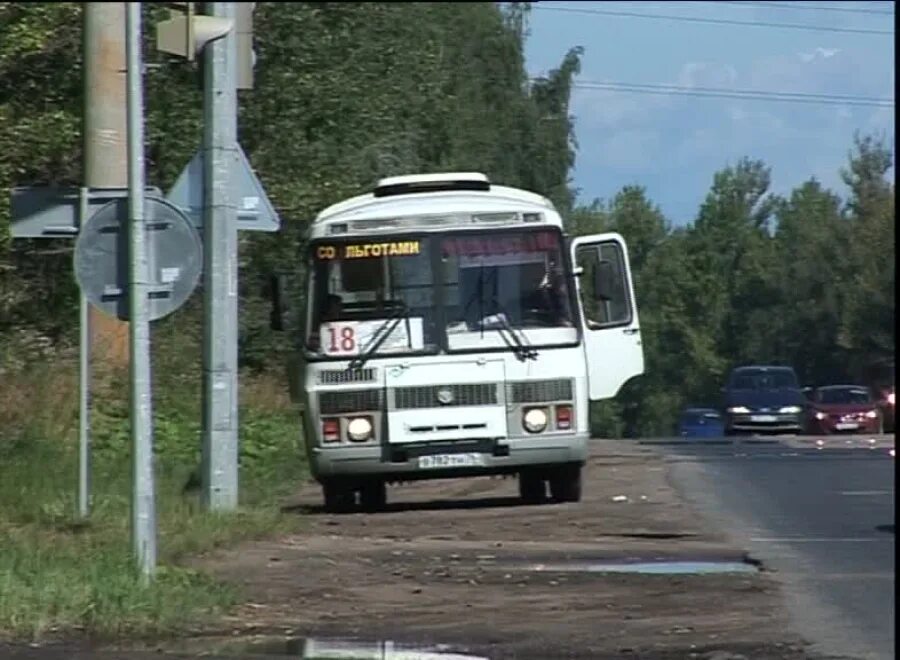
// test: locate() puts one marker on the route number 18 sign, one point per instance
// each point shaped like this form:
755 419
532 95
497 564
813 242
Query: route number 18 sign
353 337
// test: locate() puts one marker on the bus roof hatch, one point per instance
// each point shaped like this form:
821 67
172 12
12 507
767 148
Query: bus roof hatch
426 183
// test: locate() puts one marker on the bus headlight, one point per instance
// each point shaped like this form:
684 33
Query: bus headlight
359 429
535 420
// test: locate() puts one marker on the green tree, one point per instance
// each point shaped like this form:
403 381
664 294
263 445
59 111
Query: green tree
800 326
587 219
728 247
345 93
867 324
39 144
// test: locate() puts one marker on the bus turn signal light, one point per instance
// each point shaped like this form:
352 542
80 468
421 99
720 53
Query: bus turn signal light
331 430
563 418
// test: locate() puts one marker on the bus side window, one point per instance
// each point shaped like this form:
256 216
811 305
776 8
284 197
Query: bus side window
614 308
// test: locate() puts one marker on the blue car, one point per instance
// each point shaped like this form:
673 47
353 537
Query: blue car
701 423
764 399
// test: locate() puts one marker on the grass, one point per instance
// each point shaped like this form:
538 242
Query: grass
60 575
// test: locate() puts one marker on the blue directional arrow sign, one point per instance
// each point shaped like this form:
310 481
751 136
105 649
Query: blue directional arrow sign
255 211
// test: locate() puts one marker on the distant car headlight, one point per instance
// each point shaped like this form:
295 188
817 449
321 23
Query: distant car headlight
820 415
872 414
740 410
359 429
535 420
890 398
791 410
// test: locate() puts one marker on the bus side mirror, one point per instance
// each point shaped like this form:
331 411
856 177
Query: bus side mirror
603 280
278 295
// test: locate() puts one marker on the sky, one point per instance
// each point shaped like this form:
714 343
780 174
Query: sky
673 144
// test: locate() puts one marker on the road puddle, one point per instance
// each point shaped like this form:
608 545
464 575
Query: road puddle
646 567
339 649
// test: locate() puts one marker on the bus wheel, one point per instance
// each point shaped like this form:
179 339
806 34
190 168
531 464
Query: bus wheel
532 488
373 495
338 498
565 484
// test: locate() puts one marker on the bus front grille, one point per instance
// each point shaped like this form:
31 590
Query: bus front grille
349 401
341 376
442 396
539 391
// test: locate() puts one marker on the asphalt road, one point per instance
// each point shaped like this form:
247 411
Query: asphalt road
823 519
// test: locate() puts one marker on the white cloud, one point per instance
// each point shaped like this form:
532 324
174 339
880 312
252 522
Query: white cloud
748 118
606 109
631 151
822 71
818 53
707 74
650 136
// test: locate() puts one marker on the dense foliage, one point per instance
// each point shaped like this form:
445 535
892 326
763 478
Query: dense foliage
806 281
349 92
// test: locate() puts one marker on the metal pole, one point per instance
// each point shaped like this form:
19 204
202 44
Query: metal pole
84 385
105 155
220 296
143 504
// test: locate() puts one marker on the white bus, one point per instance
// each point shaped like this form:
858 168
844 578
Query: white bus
452 330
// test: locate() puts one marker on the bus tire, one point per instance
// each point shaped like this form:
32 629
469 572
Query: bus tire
565 484
532 488
338 498
373 495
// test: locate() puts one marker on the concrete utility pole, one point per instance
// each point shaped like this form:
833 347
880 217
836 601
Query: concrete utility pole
105 155
143 503
220 284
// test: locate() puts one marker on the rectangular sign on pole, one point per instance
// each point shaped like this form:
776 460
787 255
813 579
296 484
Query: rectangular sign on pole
49 212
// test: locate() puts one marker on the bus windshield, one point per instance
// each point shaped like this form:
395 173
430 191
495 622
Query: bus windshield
426 293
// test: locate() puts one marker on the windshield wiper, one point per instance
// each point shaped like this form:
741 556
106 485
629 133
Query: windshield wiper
382 333
518 343
521 348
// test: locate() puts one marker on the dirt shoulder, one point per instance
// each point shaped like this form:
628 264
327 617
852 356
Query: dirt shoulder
463 563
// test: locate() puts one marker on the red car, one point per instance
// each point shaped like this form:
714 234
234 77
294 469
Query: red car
843 409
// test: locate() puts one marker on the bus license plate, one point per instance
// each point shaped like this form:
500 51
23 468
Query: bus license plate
438 461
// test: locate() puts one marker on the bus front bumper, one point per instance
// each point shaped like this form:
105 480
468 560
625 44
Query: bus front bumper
446 460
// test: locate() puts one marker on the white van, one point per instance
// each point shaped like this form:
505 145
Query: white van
452 330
